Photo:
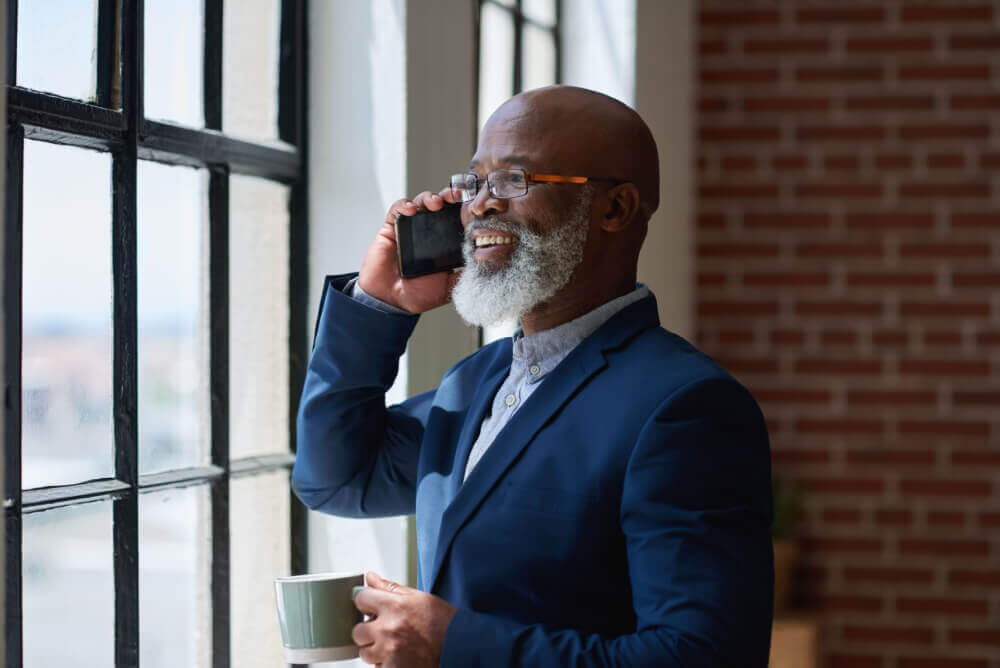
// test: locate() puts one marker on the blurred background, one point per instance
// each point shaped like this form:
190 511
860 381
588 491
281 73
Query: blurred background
848 266
829 231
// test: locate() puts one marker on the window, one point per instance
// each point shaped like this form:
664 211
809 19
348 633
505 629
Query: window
518 50
154 297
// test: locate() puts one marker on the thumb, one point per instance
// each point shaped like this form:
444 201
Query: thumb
376 581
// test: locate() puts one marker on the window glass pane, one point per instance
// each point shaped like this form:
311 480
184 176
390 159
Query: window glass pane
66 357
260 549
250 69
258 317
172 61
57 47
538 63
69 587
172 234
496 59
175 557
543 11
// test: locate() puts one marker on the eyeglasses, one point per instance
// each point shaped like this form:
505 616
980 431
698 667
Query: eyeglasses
508 183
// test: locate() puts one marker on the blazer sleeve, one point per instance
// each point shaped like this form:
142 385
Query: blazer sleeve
356 457
696 514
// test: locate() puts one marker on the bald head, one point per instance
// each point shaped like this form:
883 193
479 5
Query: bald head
580 132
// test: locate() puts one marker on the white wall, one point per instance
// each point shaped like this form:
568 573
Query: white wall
391 113
664 96
641 52
598 46
357 115
440 140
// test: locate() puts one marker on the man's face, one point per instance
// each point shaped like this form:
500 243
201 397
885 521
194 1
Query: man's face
519 252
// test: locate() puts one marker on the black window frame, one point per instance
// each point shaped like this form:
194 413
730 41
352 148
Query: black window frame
128 136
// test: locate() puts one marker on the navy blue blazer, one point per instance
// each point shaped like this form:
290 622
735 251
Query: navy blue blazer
622 517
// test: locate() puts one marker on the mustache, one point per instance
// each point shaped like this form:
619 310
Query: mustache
493 223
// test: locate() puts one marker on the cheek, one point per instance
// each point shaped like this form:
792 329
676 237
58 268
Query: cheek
542 212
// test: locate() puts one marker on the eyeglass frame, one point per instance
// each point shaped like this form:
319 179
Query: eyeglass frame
529 177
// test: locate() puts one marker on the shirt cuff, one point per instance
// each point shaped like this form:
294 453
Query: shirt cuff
354 290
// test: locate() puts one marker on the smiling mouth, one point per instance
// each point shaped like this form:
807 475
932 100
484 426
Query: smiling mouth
487 241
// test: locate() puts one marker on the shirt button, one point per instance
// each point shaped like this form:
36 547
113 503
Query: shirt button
510 400
534 369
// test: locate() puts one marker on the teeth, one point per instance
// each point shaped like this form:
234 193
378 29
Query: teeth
493 241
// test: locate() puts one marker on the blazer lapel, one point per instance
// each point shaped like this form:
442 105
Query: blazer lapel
558 388
428 521
473 422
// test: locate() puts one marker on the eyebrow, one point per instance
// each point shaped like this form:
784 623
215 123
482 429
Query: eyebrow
521 160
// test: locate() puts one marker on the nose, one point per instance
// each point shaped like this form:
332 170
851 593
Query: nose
485 204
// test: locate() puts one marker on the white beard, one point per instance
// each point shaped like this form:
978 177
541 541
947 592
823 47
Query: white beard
539 266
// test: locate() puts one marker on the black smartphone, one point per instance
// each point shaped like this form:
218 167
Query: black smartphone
430 241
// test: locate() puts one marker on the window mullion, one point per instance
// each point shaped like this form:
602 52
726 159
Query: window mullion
13 248
293 126
218 216
105 50
11 41
125 522
212 79
125 374
125 528
557 38
518 37
292 73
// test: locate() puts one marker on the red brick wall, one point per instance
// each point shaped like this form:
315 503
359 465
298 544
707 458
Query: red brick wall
849 273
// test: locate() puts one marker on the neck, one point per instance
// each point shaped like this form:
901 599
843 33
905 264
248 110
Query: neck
577 298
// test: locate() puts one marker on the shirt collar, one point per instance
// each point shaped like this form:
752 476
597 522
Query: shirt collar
559 341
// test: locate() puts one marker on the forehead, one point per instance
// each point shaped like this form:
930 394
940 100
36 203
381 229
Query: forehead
514 141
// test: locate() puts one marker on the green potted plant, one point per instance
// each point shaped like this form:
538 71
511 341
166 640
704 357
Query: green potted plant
784 534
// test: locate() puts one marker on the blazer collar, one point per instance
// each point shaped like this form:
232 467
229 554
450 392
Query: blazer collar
586 360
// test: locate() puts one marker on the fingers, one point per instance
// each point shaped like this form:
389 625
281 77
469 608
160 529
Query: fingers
376 581
363 634
425 200
400 206
378 601
370 601
372 656
373 579
428 200
448 195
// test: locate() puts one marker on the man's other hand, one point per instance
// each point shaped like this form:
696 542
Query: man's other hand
407 626
380 276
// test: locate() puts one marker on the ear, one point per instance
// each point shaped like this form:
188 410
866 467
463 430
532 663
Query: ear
623 205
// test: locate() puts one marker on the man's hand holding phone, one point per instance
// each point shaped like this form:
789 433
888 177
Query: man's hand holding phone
380 275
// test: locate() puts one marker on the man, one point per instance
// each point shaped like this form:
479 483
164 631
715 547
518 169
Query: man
594 491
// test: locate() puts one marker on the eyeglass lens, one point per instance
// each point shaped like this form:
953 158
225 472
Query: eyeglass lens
503 183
